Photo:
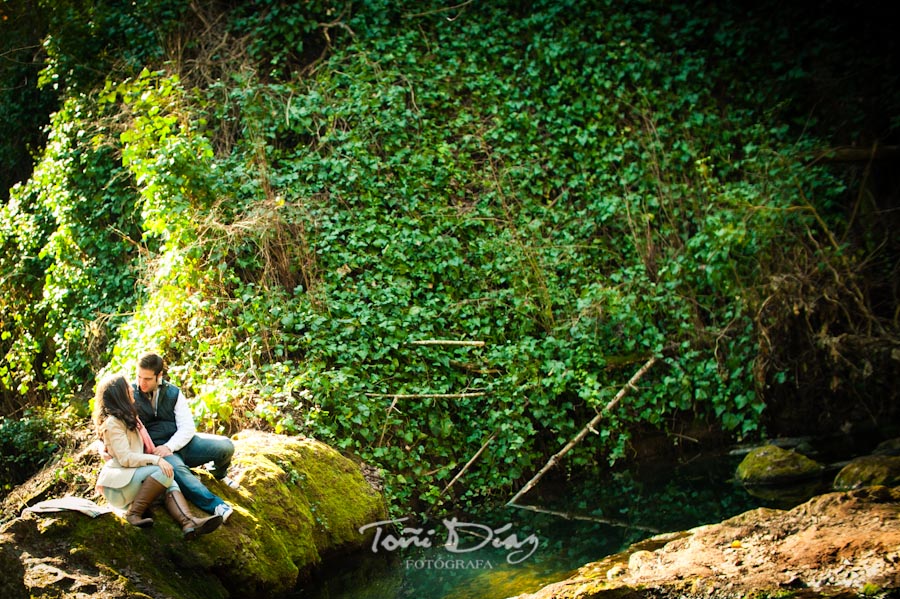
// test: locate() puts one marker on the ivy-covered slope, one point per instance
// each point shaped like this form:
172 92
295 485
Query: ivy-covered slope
289 200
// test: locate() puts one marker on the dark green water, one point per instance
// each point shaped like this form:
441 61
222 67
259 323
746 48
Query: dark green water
608 512
659 497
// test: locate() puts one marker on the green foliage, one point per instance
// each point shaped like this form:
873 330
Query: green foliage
284 37
67 238
576 188
24 109
90 38
25 445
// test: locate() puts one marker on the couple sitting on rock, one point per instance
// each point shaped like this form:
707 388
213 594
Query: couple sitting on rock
150 445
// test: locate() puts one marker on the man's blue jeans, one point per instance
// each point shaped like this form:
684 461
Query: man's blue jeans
203 448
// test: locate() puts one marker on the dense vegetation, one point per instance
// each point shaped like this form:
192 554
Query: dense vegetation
288 199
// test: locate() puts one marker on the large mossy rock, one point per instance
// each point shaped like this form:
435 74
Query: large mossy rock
772 465
867 471
300 503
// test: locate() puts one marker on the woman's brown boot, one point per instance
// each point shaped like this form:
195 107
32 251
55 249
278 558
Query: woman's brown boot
149 491
190 526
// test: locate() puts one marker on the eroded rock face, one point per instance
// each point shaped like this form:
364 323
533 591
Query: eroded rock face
12 574
834 544
772 465
300 502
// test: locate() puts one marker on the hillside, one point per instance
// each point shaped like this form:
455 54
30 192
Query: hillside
426 234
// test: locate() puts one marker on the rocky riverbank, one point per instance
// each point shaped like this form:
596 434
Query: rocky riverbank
842 544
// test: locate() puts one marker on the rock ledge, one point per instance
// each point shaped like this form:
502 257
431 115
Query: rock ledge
838 544
300 502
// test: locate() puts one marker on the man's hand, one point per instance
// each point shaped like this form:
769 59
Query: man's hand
162 451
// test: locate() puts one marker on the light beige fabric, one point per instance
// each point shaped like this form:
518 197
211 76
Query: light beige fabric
127 451
69 502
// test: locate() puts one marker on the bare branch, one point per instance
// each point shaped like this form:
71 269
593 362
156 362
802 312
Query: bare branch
424 395
570 516
436 11
587 428
469 463
447 342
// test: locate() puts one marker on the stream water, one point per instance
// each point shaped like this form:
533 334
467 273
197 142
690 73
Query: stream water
510 551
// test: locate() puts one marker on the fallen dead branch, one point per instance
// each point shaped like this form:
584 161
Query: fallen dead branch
597 519
584 431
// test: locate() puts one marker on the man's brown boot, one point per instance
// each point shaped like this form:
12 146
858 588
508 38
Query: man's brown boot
190 526
149 491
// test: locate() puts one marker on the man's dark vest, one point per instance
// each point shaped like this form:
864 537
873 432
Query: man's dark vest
160 425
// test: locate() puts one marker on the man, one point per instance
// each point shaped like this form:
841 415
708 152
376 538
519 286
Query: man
164 410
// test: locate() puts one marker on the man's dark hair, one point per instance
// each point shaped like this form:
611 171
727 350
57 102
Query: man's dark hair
151 361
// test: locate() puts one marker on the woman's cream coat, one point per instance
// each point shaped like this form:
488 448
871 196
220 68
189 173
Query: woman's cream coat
127 451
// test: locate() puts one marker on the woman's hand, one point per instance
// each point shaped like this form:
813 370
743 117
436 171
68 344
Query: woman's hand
166 468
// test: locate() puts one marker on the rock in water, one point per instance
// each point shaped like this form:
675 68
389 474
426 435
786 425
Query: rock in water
772 465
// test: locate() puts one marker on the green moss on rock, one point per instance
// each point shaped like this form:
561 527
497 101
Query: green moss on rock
300 502
769 465
868 471
82 554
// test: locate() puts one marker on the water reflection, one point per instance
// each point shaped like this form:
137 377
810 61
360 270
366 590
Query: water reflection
485 573
613 511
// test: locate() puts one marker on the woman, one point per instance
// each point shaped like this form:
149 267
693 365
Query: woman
134 477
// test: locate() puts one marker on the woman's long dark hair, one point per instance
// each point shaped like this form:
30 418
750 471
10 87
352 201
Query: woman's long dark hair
113 398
